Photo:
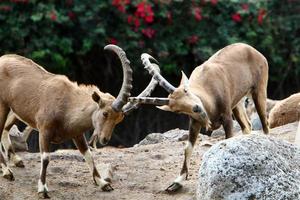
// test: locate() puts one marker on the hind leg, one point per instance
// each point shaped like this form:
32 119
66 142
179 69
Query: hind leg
7 173
240 115
10 152
259 96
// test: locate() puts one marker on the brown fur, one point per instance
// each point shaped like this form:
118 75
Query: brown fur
285 111
58 108
214 92
221 82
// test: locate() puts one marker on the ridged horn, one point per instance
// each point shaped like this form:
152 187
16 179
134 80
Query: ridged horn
149 67
130 106
149 100
124 93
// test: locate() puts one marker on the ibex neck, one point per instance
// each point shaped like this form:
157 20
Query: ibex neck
82 116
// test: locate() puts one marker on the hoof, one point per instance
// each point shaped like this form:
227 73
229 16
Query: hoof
20 164
7 174
107 188
174 187
43 195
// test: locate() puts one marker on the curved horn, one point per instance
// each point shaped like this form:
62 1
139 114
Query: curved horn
161 80
130 106
124 93
149 100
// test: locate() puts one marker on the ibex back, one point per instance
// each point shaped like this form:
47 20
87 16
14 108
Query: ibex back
214 92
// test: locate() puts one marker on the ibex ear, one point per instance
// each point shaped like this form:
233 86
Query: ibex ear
165 108
97 99
184 81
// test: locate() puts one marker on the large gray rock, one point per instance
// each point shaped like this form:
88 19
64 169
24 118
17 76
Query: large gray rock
251 166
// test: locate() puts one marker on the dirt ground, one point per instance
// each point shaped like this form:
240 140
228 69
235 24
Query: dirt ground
141 172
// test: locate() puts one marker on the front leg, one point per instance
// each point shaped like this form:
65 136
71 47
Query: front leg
82 146
44 143
228 125
194 129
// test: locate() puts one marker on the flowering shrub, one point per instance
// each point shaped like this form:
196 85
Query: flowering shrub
180 34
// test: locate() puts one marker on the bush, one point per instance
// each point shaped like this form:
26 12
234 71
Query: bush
180 34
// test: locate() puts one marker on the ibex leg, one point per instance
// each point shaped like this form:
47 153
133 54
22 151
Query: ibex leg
7 173
44 142
259 96
10 152
240 115
82 146
194 129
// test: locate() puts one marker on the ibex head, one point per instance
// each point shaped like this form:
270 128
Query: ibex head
111 110
180 99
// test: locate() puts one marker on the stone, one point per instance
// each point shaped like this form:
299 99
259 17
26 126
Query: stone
253 166
172 135
255 121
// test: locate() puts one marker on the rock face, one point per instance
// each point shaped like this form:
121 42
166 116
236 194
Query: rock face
254 166
172 135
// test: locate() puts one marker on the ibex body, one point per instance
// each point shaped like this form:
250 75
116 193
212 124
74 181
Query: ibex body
285 111
59 109
214 92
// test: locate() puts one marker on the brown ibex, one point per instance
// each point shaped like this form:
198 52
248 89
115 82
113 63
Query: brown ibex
285 111
60 109
213 92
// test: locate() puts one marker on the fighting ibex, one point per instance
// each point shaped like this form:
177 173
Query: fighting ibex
213 92
60 109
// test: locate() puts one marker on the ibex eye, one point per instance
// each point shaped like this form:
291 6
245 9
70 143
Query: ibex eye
105 114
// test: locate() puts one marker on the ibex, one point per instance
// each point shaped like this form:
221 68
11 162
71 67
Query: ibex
60 109
285 111
213 92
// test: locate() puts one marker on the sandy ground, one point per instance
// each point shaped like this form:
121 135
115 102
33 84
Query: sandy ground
140 172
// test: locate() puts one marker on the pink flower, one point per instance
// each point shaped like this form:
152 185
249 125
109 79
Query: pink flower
193 39
169 17
148 32
137 22
236 17
53 16
214 2
197 13
71 15
261 15
5 8
144 10
245 6
112 41
129 19
120 4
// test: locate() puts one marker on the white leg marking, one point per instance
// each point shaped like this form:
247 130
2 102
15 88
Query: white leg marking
90 161
6 171
16 159
180 178
188 152
42 187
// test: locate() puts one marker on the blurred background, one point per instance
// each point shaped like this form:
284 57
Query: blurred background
68 36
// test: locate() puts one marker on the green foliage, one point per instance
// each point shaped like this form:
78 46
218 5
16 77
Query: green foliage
180 34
